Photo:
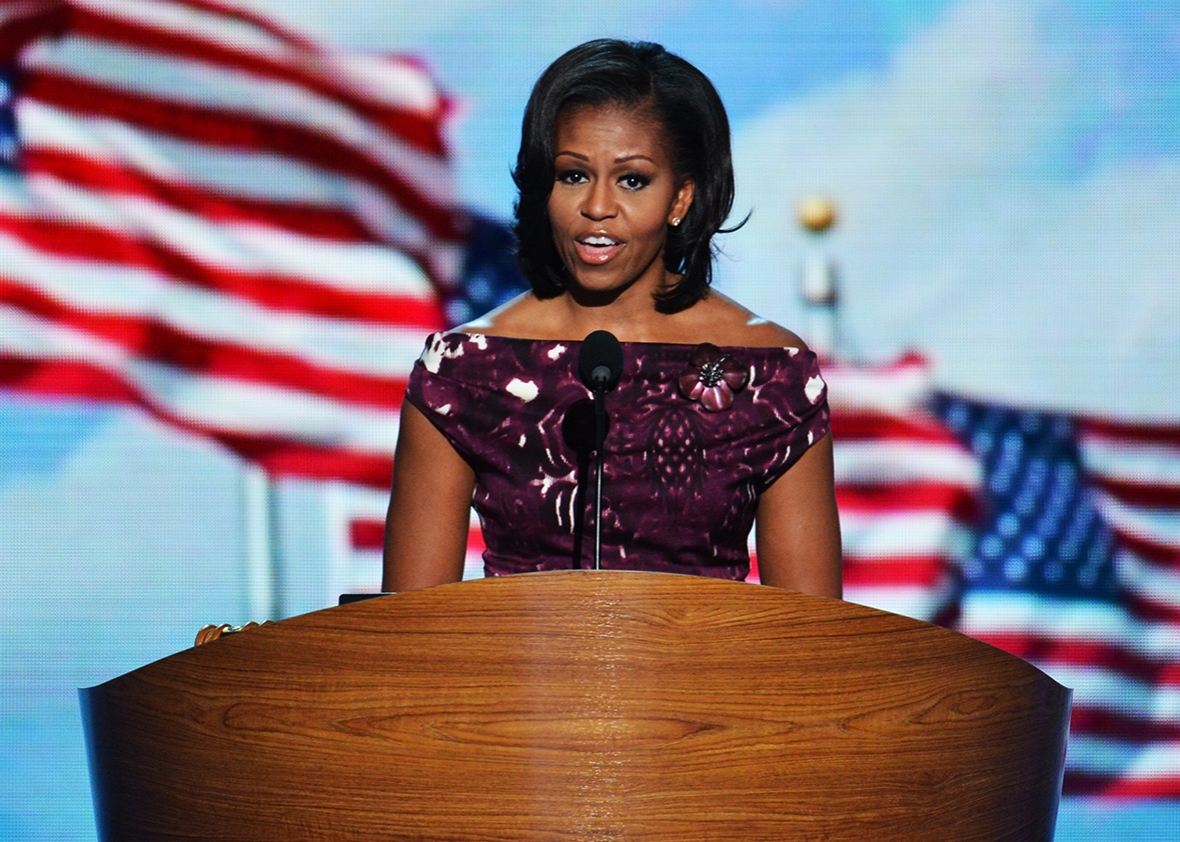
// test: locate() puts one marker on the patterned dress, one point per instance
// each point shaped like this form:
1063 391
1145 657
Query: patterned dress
682 475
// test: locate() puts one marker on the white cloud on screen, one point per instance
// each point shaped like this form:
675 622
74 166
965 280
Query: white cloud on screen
402 24
485 54
956 238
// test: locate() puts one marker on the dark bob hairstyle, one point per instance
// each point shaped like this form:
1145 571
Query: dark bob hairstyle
683 101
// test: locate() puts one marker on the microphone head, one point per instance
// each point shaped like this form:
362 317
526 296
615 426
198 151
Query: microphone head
600 362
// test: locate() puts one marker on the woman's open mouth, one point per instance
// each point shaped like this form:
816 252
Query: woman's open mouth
597 249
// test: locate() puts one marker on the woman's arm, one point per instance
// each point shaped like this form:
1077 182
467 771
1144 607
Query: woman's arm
429 510
798 535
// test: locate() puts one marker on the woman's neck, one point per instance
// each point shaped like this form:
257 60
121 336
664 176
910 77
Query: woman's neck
631 316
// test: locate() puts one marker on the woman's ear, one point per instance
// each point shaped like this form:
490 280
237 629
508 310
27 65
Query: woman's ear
682 202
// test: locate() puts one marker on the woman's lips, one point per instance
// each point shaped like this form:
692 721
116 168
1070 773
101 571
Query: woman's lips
597 250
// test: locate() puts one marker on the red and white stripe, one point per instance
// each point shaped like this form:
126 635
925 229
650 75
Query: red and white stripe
1125 674
1134 471
225 223
906 489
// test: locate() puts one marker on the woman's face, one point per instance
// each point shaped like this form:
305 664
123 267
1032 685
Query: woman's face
614 195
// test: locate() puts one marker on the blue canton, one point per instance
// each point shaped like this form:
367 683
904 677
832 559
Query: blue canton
1039 530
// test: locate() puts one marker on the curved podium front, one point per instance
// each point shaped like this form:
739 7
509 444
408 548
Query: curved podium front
582 705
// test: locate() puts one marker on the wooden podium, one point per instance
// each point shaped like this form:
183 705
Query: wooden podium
582 705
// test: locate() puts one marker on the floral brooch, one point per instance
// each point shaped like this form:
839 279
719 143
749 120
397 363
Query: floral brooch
712 377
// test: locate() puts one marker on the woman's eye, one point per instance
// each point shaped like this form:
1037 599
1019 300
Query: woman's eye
634 181
571 176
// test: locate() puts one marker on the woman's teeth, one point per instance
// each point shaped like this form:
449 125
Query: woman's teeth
597 250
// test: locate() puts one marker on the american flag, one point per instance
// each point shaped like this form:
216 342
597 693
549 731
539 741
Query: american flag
1053 536
238 229
1076 567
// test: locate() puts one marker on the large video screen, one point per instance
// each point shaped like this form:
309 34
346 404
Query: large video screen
227 228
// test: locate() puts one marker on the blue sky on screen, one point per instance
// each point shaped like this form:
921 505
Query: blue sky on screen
758 52
1008 187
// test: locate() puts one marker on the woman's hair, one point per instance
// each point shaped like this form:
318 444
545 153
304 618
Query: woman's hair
683 101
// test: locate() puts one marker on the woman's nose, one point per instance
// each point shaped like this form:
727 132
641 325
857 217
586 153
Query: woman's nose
600 201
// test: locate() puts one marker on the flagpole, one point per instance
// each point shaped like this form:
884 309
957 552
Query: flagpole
261 546
818 282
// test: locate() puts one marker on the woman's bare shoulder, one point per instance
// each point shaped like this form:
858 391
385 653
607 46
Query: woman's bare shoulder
516 317
733 324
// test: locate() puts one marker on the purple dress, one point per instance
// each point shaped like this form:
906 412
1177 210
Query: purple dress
681 482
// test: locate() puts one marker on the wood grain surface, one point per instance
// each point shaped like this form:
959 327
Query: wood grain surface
582 705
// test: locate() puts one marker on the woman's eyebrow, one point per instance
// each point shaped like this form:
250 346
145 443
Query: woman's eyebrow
620 160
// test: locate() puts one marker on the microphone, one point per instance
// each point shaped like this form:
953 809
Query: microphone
600 364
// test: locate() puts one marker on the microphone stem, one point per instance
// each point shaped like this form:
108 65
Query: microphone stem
599 439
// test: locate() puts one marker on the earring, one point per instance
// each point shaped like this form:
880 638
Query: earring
675 221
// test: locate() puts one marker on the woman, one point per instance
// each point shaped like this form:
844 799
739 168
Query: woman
625 176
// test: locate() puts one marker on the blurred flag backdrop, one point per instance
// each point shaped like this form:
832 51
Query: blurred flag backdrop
245 234
225 224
